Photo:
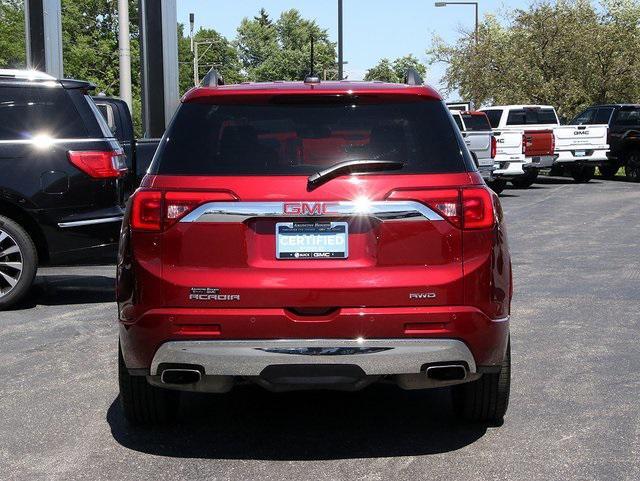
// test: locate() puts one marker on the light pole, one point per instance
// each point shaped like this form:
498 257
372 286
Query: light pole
124 52
475 4
340 59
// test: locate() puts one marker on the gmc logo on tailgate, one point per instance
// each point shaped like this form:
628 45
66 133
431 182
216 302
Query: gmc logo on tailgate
307 208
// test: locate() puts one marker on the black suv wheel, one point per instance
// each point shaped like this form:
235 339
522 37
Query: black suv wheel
485 400
632 169
527 180
18 262
582 174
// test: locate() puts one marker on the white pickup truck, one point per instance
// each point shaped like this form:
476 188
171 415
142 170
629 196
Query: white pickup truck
478 137
578 147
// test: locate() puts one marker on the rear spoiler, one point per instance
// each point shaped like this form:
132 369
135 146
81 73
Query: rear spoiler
77 84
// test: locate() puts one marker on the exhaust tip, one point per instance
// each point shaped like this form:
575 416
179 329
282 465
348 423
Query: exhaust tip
180 376
449 372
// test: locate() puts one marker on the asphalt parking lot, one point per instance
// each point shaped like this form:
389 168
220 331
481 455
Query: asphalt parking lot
574 413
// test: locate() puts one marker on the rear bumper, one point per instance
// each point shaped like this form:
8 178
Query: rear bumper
508 169
540 162
373 356
591 157
154 336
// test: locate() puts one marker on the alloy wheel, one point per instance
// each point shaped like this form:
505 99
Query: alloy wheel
11 263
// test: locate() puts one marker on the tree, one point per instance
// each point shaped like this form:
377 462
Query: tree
12 38
218 53
387 71
281 50
90 47
567 53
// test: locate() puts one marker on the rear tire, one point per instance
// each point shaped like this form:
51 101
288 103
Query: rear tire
142 403
608 171
525 181
497 185
485 400
18 262
632 169
582 174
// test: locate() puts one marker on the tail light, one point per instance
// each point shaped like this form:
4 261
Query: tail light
153 210
494 147
108 164
553 142
525 143
469 208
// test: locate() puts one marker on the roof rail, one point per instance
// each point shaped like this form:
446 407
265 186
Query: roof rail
25 74
412 77
212 79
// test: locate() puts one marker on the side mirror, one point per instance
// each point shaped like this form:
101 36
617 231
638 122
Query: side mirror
475 159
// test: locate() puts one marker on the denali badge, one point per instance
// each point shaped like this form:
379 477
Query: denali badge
422 295
211 294
307 208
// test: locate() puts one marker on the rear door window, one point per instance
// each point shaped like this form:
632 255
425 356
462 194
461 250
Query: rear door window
476 122
584 118
603 115
628 116
301 135
27 112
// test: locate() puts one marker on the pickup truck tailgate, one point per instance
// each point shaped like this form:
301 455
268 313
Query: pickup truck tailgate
581 137
538 142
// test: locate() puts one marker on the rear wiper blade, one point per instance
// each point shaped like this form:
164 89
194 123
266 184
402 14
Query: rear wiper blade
349 167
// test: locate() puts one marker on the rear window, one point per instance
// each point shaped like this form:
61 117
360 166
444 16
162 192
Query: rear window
494 117
532 116
458 120
628 116
26 112
300 136
476 122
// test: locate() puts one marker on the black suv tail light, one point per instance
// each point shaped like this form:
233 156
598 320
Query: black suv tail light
98 164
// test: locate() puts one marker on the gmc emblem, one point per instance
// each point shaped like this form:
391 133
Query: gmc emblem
580 132
307 208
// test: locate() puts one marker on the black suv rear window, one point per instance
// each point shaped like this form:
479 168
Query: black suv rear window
26 112
301 135
476 122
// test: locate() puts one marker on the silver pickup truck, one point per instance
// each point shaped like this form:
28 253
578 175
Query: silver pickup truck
477 134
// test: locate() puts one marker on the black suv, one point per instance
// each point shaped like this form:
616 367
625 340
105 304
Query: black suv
61 193
624 136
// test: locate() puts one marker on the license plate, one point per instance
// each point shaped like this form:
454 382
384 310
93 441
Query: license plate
580 153
312 240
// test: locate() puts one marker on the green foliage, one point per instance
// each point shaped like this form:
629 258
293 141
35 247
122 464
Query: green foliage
281 50
12 37
567 53
388 71
90 47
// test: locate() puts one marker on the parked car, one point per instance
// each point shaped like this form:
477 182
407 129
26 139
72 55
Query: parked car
478 137
307 235
61 195
624 136
579 149
138 152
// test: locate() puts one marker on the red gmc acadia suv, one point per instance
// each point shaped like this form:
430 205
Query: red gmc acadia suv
307 235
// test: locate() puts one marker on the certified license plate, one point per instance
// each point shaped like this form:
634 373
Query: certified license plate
580 153
312 240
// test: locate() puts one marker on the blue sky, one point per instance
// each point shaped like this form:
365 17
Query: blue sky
373 29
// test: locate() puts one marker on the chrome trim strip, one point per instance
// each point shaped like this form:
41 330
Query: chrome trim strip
502 319
374 356
241 211
78 223
54 141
